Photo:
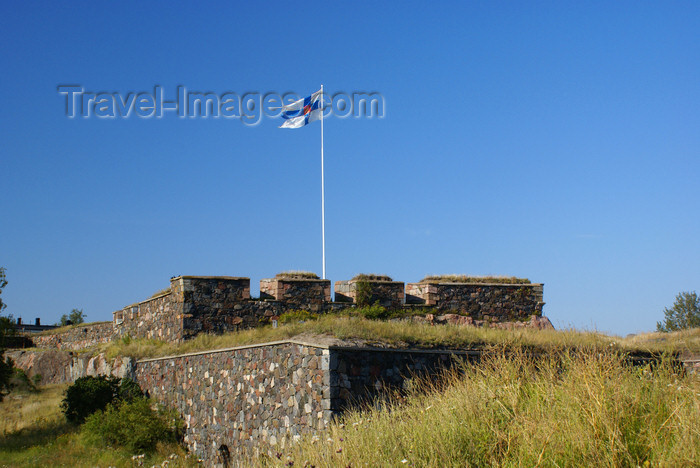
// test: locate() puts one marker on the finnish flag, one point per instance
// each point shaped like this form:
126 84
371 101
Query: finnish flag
303 111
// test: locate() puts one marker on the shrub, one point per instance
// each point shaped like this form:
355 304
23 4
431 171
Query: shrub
136 425
20 381
90 394
374 312
297 316
363 294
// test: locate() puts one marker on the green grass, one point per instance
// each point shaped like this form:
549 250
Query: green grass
404 333
474 279
34 432
582 409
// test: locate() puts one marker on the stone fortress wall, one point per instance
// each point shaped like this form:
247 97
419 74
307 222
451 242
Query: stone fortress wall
216 304
258 398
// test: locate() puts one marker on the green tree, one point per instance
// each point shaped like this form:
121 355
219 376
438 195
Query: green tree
3 283
6 329
75 317
685 313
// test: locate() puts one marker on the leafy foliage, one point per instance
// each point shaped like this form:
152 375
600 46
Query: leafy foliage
297 316
684 314
363 294
135 425
374 312
6 330
90 394
3 283
75 317
20 381
6 370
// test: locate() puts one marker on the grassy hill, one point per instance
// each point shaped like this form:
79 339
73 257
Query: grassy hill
353 330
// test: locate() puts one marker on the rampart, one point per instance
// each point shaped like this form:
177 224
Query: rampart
218 304
256 399
76 337
481 301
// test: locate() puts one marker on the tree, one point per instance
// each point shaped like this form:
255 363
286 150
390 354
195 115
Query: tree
3 283
685 313
6 329
75 317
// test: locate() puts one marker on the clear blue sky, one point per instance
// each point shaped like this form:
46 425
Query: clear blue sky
558 141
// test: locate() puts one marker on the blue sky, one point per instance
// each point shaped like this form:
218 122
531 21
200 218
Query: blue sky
552 140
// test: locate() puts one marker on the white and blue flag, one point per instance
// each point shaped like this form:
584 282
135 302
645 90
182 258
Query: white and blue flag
302 112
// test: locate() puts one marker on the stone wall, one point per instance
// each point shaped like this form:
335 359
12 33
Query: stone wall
218 304
389 294
57 367
75 338
309 294
155 318
248 398
488 302
359 375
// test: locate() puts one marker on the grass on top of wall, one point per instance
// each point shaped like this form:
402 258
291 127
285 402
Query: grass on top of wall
474 279
405 333
568 409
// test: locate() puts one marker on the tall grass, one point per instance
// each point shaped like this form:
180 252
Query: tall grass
582 409
404 333
34 433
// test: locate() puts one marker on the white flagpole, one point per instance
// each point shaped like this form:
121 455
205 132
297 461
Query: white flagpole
323 199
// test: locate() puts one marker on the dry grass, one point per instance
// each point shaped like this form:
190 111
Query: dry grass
583 409
371 277
297 274
34 432
474 279
161 292
404 333
19 411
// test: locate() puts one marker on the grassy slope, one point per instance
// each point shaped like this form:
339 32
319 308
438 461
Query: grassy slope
34 432
409 334
571 410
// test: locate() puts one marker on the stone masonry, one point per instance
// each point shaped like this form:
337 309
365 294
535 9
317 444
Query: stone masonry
248 398
389 294
256 399
311 294
489 302
77 337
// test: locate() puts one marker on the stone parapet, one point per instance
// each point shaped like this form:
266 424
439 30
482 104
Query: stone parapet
389 294
311 294
155 318
76 337
481 301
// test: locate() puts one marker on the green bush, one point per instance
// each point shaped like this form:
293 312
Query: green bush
374 312
297 316
363 294
20 381
137 425
90 394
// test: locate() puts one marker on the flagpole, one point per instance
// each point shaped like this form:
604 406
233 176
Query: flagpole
323 199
